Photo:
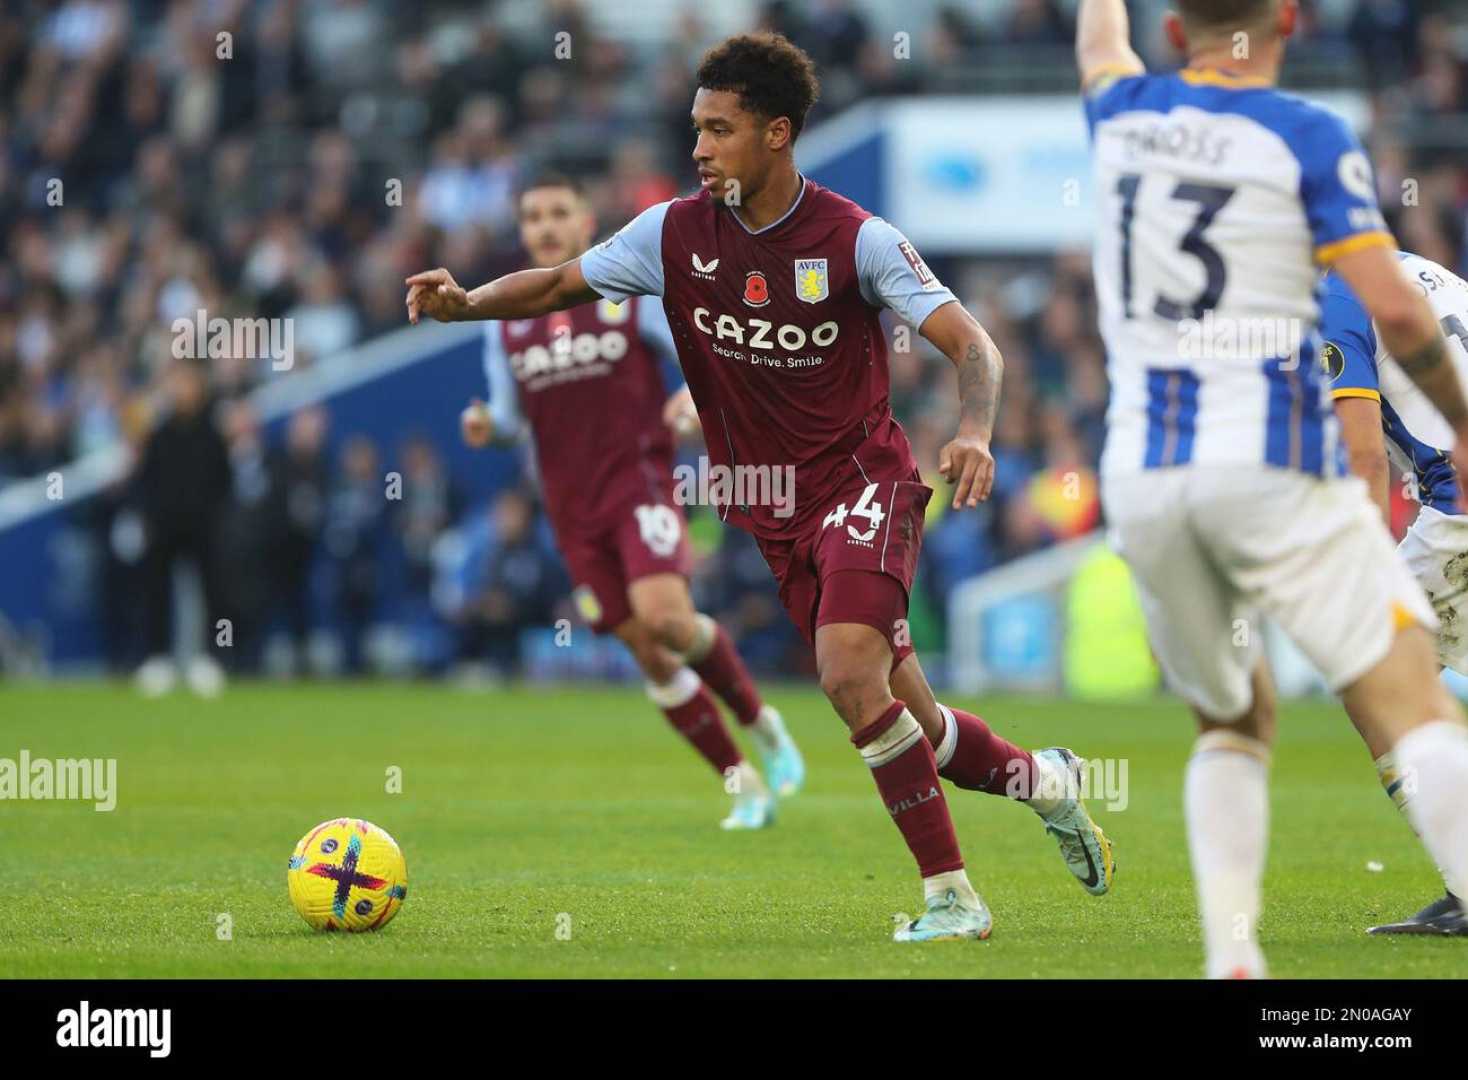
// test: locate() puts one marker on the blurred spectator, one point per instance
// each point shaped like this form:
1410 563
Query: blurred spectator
246 535
1384 32
300 515
1037 22
430 504
184 480
521 585
356 514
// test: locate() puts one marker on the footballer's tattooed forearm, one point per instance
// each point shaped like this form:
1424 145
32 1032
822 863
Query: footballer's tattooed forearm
1425 359
980 373
1436 377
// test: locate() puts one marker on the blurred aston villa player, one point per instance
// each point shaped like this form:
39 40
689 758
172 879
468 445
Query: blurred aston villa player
586 384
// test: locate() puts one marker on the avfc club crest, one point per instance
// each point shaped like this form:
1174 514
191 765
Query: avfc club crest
1332 361
811 283
587 605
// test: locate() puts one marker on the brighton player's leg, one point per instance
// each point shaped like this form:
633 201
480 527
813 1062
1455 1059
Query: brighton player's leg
971 755
1444 916
1285 542
853 660
661 602
1199 626
1436 552
684 699
1226 805
1378 716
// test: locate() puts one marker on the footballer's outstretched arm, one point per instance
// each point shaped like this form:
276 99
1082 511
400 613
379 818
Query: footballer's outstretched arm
525 294
1409 331
966 460
1103 42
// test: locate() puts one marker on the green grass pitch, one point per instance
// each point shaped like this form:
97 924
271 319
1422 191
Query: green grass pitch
518 808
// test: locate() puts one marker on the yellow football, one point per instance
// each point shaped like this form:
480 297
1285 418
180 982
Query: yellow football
347 874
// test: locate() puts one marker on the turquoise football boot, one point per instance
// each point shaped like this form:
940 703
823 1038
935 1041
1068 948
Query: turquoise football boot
784 767
948 920
1085 848
753 808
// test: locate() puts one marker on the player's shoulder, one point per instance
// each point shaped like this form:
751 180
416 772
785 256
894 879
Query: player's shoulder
686 207
1298 120
1311 130
825 203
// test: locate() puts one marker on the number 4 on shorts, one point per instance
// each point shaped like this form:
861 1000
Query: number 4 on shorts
864 508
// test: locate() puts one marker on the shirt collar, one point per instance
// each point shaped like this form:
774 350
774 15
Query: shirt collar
780 220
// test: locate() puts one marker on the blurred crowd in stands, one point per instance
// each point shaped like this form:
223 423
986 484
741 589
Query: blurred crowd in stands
296 158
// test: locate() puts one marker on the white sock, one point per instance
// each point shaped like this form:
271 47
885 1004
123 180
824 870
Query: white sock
943 752
678 690
957 880
1399 792
1226 802
1433 760
705 633
1053 784
768 729
1390 776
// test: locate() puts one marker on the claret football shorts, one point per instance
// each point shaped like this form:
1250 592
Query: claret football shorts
647 540
857 562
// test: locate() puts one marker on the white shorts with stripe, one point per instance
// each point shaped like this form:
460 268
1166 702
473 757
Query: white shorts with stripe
1213 548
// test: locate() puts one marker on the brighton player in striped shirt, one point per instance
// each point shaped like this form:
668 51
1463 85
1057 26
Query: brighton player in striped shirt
1220 197
1385 418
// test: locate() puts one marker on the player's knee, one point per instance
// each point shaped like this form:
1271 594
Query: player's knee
1262 717
671 628
658 664
853 688
1257 721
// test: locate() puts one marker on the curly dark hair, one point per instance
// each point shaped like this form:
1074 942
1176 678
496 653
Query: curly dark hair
772 76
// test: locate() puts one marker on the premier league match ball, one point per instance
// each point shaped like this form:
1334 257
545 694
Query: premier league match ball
347 874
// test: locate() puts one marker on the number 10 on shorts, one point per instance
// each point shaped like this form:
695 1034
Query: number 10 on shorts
660 529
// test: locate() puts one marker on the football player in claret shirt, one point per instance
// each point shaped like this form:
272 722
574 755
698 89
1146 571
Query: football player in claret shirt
587 385
773 287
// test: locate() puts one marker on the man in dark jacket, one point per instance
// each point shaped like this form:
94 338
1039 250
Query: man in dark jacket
183 482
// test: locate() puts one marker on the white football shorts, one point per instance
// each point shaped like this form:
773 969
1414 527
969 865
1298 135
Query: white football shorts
1212 548
1436 551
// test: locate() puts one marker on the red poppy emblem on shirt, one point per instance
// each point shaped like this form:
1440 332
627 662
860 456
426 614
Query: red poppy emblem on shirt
756 289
